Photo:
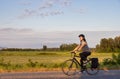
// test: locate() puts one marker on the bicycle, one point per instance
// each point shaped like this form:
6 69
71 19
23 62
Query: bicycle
73 66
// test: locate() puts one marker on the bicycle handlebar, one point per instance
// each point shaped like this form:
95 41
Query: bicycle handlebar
74 54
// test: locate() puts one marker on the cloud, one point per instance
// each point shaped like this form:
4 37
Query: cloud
28 38
66 2
27 13
46 4
15 37
46 8
51 13
82 10
15 30
24 3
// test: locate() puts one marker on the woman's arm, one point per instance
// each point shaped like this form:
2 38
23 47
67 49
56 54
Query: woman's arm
79 47
76 49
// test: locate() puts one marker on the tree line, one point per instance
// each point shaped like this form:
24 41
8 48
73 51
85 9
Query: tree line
106 45
109 45
68 47
62 47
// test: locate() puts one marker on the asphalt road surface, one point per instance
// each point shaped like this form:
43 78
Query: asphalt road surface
112 74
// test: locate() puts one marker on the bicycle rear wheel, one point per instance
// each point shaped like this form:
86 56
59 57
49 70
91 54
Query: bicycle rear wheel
70 67
90 70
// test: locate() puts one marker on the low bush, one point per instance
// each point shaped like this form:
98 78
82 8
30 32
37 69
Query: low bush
116 58
31 63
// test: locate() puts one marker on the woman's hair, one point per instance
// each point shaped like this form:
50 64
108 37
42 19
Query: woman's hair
82 35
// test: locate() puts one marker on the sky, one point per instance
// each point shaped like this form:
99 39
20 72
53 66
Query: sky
33 23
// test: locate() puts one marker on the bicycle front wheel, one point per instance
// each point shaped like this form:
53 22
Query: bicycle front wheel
90 70
70 67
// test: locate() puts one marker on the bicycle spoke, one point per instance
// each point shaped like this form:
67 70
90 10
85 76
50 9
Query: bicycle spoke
69 67
91 71
67 72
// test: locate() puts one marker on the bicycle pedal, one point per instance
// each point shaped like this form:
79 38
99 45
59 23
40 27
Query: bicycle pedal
80 72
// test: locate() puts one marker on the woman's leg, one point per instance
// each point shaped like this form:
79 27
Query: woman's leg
83 57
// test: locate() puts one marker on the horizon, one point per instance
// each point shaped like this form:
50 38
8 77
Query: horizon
27 38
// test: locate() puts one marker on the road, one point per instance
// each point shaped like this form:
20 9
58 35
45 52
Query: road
112 74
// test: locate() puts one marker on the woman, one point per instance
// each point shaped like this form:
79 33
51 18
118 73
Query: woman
84 47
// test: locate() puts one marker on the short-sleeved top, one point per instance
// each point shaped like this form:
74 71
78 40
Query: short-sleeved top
85 48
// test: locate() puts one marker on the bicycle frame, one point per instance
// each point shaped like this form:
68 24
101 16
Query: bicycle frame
75 60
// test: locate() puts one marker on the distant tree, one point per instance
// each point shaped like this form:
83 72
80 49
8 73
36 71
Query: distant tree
109 45
117 43
97 47
67 47
44 47
103 44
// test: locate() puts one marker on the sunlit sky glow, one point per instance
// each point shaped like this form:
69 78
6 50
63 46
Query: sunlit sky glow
34 22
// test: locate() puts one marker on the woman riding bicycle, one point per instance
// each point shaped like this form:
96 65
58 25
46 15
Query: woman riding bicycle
85 49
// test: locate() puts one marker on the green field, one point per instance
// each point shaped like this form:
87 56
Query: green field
41 59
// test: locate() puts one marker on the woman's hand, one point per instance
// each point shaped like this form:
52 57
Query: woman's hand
73 51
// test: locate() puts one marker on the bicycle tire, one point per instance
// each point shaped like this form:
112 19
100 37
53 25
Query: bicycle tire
70 67
91 71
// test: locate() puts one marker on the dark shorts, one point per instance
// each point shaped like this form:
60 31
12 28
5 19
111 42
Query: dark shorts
84 55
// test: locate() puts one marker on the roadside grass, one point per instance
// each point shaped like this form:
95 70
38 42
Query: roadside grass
39 60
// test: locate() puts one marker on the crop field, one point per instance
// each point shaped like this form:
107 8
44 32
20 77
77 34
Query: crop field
17 60
17 57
